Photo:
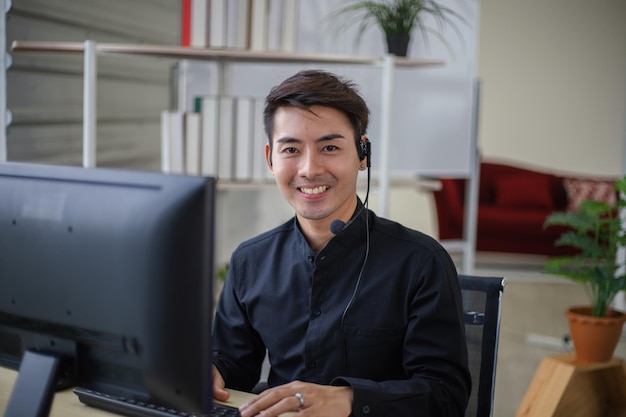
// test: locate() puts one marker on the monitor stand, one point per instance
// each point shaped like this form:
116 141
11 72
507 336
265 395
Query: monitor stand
35 386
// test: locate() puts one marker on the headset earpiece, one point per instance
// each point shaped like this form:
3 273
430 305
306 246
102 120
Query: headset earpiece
364 150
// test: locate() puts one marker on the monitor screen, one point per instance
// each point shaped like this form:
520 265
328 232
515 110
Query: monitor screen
110 271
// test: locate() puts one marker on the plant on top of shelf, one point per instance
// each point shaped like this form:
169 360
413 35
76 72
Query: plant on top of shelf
596 229
398 19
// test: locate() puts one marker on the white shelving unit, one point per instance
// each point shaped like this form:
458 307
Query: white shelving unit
225 58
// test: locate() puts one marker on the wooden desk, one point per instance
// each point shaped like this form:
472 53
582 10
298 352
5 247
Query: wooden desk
66 403
563 388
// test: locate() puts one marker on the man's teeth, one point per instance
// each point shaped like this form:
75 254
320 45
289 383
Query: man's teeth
316 190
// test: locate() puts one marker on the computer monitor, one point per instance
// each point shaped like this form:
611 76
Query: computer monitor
109 273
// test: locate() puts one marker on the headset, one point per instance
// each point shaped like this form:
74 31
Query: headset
365 151
338 226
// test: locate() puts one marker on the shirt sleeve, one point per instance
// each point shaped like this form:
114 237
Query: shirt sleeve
438 382
238 351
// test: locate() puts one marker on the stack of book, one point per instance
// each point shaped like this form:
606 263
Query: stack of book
258 25
224 137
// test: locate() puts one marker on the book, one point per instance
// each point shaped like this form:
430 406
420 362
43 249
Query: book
244 138
172 142
200 23
237 24
209 114
192 143
232 140
258 25
191 79
274 25
289 25
226 125
243 24
218 24
185 22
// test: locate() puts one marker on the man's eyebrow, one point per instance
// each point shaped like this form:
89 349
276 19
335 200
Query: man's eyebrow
325 138
288 140
330 136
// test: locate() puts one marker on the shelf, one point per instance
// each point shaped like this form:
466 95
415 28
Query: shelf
223 55
90 50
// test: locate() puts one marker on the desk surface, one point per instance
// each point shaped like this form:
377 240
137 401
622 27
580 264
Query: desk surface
66 403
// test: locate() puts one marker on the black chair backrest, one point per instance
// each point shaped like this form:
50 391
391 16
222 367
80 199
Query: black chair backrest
481 305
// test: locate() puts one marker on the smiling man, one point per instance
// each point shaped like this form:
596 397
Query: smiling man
359 315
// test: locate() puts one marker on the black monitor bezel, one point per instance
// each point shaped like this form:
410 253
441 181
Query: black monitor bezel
171 355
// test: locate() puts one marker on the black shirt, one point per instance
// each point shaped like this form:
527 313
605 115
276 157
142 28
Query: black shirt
399 343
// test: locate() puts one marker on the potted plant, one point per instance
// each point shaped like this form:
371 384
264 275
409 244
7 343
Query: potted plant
220 277
596 229
397 19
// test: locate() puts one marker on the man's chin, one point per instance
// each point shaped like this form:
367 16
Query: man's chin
312 215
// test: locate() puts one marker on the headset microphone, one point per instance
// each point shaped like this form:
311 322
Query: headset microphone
337 226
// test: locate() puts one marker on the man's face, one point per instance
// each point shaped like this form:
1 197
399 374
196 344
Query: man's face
315 162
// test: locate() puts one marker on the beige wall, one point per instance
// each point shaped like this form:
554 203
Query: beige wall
553 77
554 82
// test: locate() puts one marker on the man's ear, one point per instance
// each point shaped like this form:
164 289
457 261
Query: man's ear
268 157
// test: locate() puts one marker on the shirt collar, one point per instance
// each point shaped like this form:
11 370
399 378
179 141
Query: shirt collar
351 235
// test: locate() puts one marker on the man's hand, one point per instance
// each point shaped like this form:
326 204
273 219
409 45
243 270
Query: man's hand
219 393
311 400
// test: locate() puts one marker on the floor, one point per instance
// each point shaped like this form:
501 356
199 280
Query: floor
532 323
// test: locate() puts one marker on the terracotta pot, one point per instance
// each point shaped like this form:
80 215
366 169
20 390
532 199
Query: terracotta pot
594 338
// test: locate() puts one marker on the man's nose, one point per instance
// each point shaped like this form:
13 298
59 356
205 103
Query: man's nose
311 164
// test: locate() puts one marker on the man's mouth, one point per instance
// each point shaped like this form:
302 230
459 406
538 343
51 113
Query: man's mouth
316 190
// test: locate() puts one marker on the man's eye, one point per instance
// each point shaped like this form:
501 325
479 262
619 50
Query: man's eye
289 150
330 148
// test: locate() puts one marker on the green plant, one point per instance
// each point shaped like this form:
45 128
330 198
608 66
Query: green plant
397 17
222 272
596 229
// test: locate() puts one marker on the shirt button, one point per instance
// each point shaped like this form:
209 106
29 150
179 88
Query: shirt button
311 364
366 409
317 312
310 258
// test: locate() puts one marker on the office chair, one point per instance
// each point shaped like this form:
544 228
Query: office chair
481 306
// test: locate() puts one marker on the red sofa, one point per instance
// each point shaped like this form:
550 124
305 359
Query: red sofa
514 202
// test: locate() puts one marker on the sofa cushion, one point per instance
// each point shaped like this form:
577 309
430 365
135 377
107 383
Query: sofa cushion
579 189
518 230
530 191
511 223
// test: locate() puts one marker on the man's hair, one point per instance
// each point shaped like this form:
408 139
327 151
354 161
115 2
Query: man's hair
314 87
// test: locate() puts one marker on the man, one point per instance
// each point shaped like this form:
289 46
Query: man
359 315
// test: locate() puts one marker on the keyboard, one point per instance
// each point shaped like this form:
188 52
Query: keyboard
133 408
